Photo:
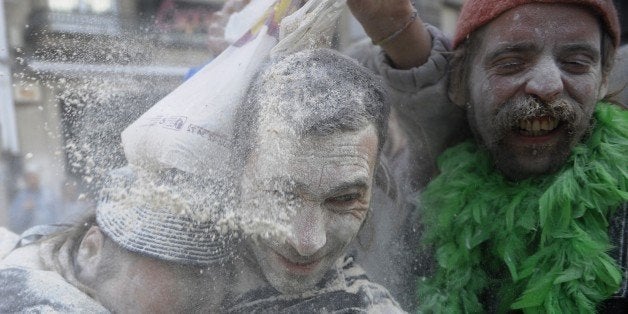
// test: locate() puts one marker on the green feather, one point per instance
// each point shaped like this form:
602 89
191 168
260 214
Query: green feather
548 234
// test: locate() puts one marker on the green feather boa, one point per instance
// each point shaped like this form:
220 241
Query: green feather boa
538 245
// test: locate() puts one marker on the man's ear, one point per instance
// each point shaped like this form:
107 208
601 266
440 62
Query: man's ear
89 254
456 96
604 87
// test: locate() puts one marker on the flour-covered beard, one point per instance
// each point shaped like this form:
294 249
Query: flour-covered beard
572 119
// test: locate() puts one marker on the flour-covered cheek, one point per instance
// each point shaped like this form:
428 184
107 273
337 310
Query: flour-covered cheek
159 294
584 93
345 227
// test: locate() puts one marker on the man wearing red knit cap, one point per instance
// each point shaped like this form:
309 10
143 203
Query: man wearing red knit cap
530 215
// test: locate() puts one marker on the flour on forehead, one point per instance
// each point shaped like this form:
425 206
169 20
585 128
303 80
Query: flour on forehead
306 91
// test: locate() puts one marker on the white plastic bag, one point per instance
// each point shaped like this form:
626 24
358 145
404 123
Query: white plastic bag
191 128
312 26
240 22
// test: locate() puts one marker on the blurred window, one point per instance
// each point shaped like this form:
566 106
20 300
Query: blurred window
83 6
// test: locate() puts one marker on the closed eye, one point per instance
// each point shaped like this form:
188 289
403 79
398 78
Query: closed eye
579 58
344 199
507 66
510 59
577 66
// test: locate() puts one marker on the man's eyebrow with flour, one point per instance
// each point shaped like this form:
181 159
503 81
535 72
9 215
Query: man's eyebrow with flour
511 48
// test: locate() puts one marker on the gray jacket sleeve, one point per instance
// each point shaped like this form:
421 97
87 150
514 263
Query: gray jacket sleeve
419 96
37 291
8 241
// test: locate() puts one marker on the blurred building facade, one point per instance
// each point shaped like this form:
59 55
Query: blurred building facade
74 73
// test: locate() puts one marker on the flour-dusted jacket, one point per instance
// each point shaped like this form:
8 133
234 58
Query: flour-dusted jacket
25 287
344 289
26 290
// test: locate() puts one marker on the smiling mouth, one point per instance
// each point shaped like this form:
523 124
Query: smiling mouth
537 126
299 268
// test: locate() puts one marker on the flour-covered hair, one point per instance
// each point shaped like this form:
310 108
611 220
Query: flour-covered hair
313 92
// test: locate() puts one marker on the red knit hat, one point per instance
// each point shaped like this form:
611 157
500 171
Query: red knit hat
476 13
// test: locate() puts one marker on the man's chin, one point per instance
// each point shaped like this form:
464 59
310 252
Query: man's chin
517 168
288 285
519 159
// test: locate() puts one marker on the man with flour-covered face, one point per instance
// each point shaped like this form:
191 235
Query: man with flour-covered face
309 136
529 215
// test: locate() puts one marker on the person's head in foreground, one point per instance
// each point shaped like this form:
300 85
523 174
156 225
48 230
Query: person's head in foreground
530 73
138 254
310 133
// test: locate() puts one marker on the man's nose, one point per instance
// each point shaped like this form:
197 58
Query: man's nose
308 231
546 82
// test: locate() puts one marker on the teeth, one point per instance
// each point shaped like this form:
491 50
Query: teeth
545 125
536 126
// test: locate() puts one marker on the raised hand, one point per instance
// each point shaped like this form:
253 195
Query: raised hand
393 25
